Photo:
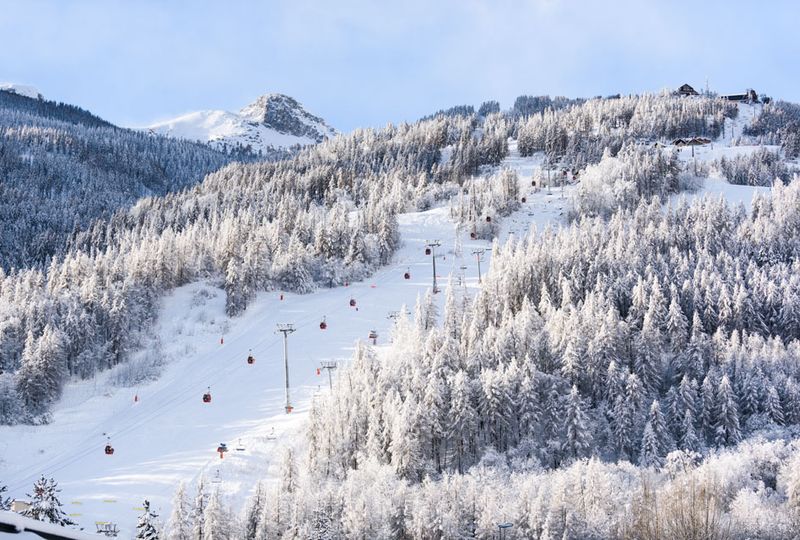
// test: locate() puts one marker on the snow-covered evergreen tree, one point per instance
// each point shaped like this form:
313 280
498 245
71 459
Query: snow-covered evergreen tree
45 504
146 527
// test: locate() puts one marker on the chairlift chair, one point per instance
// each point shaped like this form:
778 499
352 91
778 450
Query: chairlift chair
217 478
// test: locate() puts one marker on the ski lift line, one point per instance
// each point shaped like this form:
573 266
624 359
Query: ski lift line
188 392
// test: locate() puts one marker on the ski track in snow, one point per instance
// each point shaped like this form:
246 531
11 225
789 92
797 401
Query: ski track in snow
170 435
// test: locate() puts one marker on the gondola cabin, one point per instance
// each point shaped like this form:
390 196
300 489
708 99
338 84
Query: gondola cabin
427 251
207 397
352 302
324 325
109 450
251 359
488 219
407 275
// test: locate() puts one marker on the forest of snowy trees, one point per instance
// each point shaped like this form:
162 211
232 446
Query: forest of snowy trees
635 377
322 218
578 135
635 374
62 168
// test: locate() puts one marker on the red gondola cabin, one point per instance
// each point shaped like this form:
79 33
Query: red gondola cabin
109 450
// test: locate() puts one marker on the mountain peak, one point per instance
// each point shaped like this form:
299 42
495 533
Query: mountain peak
271 121
286 115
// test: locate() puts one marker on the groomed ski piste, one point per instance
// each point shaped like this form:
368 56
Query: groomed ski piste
162 431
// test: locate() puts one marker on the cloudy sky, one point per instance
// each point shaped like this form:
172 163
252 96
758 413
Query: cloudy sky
366 63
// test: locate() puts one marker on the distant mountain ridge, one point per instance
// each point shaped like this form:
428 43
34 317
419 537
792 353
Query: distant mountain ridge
271 121
25 90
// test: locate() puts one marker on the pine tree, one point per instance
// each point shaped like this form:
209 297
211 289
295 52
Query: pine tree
45 505
255 507
708 415
773 406
650 455
198 511
688 440
577 433
5 502
179 526
216 521
727 419
658 425
146 528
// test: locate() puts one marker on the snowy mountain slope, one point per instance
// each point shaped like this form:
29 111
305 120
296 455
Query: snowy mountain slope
168 434
272 120
21 89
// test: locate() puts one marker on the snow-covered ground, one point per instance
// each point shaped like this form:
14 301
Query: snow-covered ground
164 433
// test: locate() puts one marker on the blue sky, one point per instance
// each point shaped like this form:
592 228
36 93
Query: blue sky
366 63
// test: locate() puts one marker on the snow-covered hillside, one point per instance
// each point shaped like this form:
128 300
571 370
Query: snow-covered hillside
271 121
21 89
163 433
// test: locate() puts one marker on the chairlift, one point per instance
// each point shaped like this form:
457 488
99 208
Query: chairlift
217 478
240 446
271 435
207 396
324 324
